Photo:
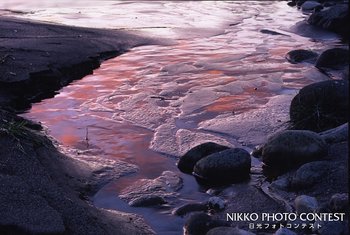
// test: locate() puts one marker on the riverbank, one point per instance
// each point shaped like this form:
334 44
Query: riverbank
42 190
37 59
86 183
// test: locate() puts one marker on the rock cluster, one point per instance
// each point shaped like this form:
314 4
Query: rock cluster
214 164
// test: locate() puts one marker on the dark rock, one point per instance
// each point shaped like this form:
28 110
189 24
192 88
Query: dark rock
187 161
147 200
345 73
310 174
271 32
336 135
291 148
228 166
228 231
281 183
335 58
200 223
339 202
298 56
320 106
330 228
292 4
310 5
188 208
305 204
216 203
149 192
284 231
300 2
334 18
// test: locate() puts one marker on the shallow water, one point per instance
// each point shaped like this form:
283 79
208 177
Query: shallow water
152 104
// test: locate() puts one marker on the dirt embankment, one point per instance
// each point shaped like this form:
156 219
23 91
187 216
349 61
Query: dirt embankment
42 191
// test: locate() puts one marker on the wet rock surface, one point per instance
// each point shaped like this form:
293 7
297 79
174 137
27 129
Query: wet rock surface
311 5
231 165
301 55
189 160
291 148
321 106
152 192
188 208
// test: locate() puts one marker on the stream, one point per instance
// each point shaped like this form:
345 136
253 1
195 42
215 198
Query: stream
219 76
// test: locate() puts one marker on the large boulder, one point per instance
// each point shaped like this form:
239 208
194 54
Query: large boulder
305 204
228 166
301 55
187 161
320 106
334 18
311 5
310 174
292 148
335 58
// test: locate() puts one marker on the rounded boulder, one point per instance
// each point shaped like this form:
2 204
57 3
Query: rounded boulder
301 55
187 161
228 166
320 106
292 148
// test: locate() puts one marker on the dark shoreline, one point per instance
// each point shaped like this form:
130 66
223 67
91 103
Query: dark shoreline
49 189
45 57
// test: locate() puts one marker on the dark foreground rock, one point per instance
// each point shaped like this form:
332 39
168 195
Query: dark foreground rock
187 161
41 189
335 58
228 166
298 56
321 106
319 179
200 223
336 135
292 148
36 59
334 18
311 5
310 174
